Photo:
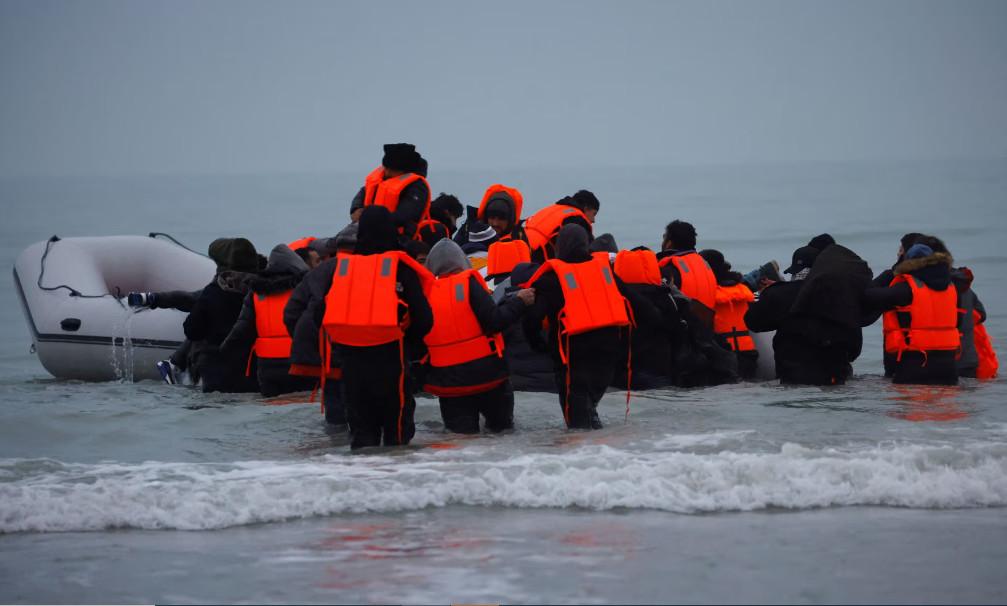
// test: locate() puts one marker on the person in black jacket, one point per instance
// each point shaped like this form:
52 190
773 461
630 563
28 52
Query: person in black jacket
480 385
283 272
585 366
400 159
377 387
530 368
817 316
212 316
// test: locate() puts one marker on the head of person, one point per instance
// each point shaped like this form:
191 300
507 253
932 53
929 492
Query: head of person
418 250
447 209
715 259
242 256
399 159
432 233
310 256
572 244
498 212
933 242
376 231
220 251
907 242
804 257
588 203
521 273
604 243
679 235
481 236
446 258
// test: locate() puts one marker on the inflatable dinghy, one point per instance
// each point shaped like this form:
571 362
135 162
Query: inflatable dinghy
73 290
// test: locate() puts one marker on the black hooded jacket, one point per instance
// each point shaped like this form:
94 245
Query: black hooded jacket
572 247
409 212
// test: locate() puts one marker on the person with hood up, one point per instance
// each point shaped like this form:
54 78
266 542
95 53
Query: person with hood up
920 318
376 315
542 228
817 316
732 300
467 369
260 326
587 307
399 185
214 314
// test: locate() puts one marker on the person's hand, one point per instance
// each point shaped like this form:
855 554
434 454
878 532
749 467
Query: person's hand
527 295
765 283
355 215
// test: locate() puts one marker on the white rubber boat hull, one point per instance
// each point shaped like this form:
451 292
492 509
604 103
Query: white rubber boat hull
81 327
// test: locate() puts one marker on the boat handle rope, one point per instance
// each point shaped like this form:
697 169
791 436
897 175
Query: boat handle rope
73 291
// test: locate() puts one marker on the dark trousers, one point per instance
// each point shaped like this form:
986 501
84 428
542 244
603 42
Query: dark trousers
583 382
332 399
461 413
378 395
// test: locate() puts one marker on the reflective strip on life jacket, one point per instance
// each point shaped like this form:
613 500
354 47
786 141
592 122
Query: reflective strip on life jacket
933 324
638 267
272 340
729 319
504 255
456 336
362 306
592 299
698 281
544 225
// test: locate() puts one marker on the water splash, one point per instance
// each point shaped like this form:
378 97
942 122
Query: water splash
122 346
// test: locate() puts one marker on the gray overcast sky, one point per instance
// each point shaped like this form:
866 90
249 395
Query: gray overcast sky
122 87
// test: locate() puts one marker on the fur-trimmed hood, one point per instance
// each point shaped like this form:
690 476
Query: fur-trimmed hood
934 270
235 281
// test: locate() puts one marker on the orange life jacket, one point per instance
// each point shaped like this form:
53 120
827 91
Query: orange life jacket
933 322
543 226
514 194
301 242
729 319
385 192
638 267
456 336
592 298
698 281
273 340
505 254
362 306
988 364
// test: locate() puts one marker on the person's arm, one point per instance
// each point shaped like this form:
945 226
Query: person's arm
182 300
980 308
887 297
421 317
196 324
296 305
357 205
495 318
412 203
243 333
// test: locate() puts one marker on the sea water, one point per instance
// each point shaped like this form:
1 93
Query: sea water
141 492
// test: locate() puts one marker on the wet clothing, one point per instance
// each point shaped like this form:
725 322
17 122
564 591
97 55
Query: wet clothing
698 282
732 300
211 319
818 321
465 347
930 276
585 363
260 323
968 302
377 386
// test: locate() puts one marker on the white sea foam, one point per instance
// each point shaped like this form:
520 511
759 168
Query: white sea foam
49 496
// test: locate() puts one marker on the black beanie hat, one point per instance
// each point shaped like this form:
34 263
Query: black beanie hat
401 156
604 242
715 259
498 206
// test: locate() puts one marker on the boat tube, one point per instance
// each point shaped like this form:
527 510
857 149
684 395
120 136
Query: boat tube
73 290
